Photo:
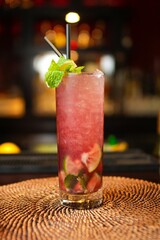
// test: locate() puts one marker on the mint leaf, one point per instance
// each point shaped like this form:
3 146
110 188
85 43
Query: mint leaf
56 71
53 78
53 66
70 181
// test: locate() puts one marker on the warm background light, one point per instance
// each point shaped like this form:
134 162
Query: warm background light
107 64
72 17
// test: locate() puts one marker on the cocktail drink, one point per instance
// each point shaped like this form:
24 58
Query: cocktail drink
80 120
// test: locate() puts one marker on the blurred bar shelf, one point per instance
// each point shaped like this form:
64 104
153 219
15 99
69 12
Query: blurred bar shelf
138 131
132 163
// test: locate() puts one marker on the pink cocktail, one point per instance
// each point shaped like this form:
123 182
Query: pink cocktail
80 120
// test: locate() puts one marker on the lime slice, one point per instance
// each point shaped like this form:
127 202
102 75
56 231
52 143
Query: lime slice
56 71
92 158
71 166
67 66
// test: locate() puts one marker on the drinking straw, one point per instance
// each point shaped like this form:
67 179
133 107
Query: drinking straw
54 48
68 30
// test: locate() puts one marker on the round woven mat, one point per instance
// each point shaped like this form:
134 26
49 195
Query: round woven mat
31 210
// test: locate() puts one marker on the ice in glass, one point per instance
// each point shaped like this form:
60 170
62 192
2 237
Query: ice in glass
80 120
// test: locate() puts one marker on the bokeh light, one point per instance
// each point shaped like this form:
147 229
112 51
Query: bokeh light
72 17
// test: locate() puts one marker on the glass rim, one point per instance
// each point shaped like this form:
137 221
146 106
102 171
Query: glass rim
83 73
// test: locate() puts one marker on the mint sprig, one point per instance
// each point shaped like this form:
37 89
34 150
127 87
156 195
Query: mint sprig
57 70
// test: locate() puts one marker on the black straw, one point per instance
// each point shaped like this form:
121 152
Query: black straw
68 30
59 54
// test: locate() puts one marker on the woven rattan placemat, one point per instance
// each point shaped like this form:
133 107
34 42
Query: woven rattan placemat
30 210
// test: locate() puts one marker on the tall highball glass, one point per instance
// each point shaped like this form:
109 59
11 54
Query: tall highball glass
80 123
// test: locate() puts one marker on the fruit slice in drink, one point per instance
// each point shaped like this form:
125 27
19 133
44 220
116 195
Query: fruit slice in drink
82 175
92 158
73 167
